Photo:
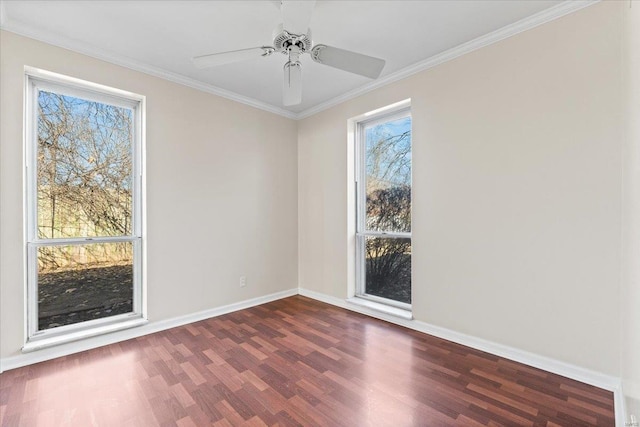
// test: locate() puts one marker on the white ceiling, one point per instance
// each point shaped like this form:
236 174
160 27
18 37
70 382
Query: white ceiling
160 37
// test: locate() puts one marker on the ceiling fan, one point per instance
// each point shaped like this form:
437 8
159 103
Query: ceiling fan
293 38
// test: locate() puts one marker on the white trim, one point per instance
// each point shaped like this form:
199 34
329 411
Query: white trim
577 373
385 234
389 113
79 87
385 302
55 340
382 307
123 61
383 111
37 80
545 363
149 328
620 407
547 15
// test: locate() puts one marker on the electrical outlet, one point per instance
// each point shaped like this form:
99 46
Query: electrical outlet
243 281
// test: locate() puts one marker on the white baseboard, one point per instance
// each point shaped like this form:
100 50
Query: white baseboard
568 370
548 364
25 359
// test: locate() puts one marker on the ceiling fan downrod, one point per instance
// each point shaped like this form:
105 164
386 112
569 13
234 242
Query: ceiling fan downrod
292 89
292 37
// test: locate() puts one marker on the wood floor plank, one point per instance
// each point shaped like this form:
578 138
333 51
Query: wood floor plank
294 362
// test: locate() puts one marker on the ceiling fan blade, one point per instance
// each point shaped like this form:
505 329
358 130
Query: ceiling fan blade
296 15
232 56
292 87
346 60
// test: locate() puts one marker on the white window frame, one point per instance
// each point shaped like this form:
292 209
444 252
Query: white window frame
394 112
35 81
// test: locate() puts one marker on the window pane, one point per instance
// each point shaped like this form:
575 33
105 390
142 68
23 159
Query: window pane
84 282
388 176
84 167
388 268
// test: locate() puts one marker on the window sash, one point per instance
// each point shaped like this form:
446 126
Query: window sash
32 291
35 83
37 80
361 161
361 274
397 234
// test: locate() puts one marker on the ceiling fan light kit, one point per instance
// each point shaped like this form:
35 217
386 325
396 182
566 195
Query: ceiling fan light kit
293 38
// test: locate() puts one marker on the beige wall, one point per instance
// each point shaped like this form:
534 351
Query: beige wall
518 205
221 190
517 152
630 350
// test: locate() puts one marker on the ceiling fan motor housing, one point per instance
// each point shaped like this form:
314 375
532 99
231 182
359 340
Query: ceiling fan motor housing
283 40
293 38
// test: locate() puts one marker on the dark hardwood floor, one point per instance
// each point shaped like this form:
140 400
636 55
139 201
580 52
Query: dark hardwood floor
294 362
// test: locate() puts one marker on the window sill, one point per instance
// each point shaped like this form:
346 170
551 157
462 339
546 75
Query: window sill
39 344
383 308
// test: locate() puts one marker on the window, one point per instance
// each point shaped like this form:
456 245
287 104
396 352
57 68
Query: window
84 202
383 204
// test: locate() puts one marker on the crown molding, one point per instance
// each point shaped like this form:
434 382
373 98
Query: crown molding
547 15
121 60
